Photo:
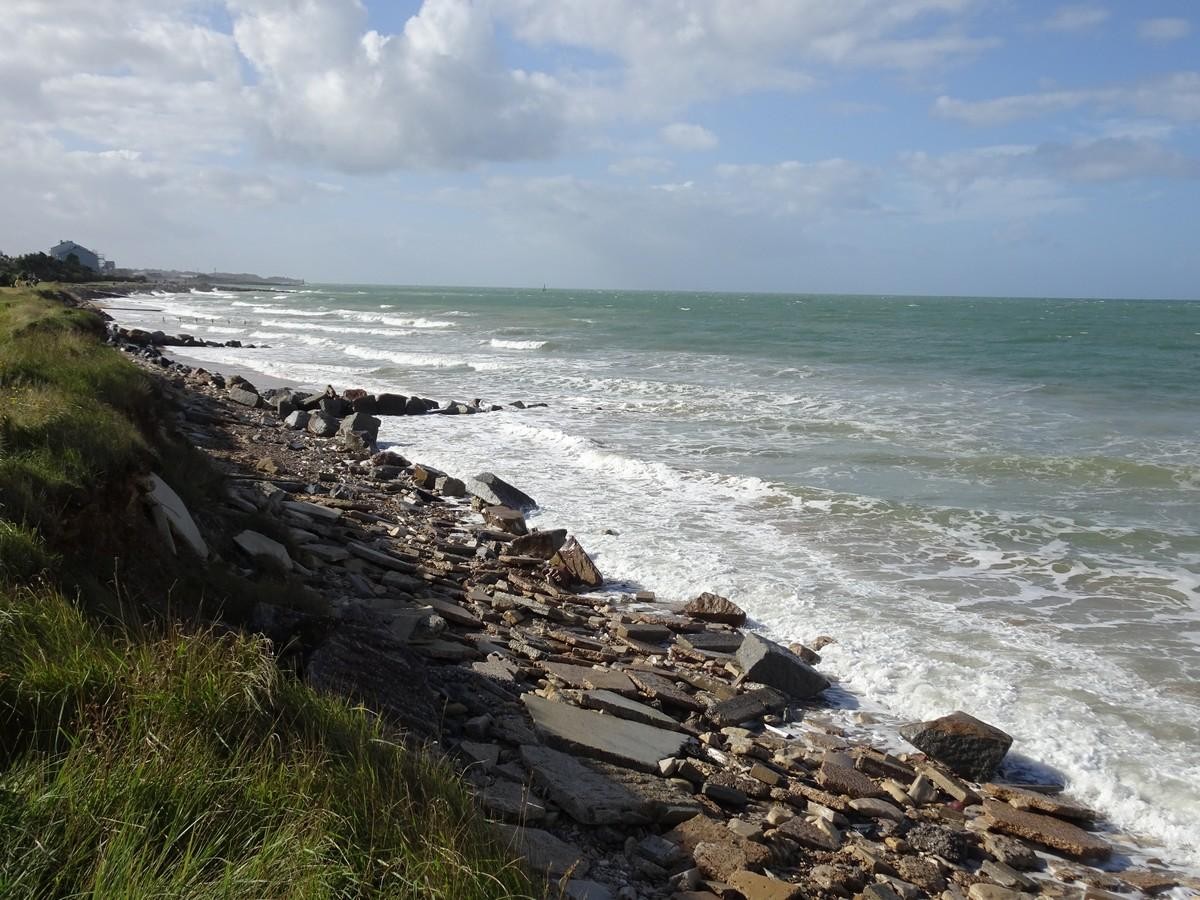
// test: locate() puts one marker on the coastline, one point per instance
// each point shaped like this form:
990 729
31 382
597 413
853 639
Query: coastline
816 754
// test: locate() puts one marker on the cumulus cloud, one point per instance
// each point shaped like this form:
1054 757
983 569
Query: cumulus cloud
1165 29
686 136
1174 97
436 94
1076 17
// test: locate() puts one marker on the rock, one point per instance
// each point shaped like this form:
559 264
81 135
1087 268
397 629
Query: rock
951 785
715 608
389 459
322 424
604 737
939 841
494 491
359 443
587 796
969 747
602 679
335 406
874 808
539 544
808 834
718 852
426 476
360 422
179 520
544 854
724 794
574 568
924 872
747 706
1007 877
367 403
760 887
506 519
512 801
259 546
712 641
449 486
415 406
1010 851
922 791
766 662
1059 807
297 420
847 781
624 708
645 632
1045 830
245 397
390 405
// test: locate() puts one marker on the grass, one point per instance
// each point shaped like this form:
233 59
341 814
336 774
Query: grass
151 760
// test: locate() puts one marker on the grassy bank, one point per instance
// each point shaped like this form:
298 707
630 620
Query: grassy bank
142 759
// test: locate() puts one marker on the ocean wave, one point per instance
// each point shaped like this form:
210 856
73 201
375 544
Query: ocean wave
336 329
501 344
418 322
408 360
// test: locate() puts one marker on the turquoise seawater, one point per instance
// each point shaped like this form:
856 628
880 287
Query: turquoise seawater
992 504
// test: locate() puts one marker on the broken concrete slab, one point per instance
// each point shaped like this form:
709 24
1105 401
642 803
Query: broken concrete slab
664 690
715 608
181 523
596 679
1059 807
544 854
1045 830
587 796
603 737
259 546
624 708
769 663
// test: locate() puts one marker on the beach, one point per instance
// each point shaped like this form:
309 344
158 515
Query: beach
859 659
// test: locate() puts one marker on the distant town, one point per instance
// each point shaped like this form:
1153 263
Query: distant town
71 261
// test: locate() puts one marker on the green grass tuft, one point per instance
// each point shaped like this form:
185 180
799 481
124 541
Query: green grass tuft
152 761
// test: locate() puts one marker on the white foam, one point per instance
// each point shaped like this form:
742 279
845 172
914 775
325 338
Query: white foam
517 345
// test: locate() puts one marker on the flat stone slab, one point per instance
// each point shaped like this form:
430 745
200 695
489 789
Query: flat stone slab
624 708
1030 800
603 737
594 679
379 558
744 707
512 802
1047 831
259 546
313 510
664 690
587 796
543 853
712 641
178 518
844 780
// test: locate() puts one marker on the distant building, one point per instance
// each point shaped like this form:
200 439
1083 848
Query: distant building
86 257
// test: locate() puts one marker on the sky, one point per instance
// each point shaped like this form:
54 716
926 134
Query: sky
981 147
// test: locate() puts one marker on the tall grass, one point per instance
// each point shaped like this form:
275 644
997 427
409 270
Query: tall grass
157 761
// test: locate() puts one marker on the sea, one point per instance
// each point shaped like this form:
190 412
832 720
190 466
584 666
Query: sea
991 504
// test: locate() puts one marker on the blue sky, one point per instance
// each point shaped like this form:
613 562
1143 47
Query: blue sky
913 146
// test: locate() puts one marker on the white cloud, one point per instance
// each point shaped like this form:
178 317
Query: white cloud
686 136
436 94
1174 97
1166 29
1077 17
672 53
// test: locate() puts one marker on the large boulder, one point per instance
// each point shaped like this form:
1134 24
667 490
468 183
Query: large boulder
391 405
768 663
415 406
573 568
715 608
297 420
495 491
505 519
336 406
964 744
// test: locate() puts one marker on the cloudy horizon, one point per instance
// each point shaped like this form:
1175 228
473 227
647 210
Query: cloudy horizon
980 147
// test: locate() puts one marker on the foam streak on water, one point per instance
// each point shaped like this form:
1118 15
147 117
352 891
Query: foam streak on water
993 505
